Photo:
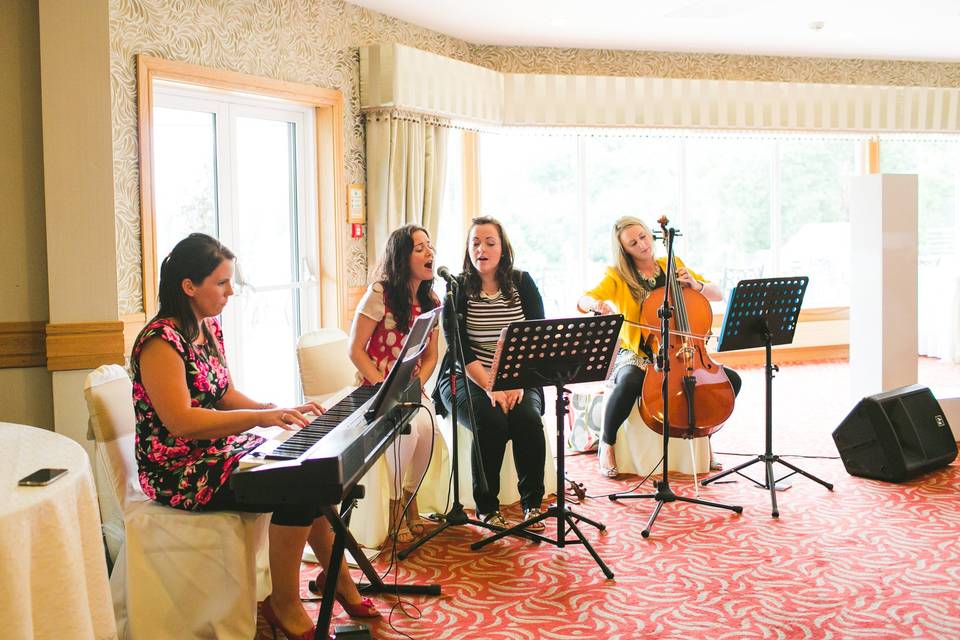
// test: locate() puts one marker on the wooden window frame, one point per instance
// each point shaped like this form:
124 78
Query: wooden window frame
330 211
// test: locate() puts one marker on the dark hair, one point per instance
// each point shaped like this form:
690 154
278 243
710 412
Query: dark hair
504 273
195 257
394 274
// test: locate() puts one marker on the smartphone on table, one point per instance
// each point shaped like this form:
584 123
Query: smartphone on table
41 477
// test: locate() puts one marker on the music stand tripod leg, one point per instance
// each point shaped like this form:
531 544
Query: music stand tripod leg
727 472
772 487
804 473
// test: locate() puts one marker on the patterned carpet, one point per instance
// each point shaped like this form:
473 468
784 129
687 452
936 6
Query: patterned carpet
867 560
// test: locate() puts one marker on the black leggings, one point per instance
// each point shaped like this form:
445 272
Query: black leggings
286 515
628 384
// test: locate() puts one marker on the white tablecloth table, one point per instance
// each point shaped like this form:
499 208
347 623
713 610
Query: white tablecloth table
53 573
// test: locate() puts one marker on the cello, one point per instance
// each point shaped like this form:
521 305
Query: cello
699 397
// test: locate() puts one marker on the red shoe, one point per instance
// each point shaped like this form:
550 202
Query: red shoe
271 617
363 609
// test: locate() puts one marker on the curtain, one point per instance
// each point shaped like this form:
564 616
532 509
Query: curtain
406 167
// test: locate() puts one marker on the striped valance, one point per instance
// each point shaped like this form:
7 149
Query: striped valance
396 76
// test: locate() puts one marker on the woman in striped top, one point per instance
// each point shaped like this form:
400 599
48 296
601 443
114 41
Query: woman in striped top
491 295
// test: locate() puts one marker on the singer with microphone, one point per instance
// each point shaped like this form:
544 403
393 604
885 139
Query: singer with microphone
490 295
636 271
402 290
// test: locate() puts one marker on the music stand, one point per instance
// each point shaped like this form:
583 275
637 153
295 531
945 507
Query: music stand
762 313
533 353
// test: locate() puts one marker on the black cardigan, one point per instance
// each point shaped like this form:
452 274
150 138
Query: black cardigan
532 304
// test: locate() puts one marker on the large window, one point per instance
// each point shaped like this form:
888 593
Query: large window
241 169
936 162
747 205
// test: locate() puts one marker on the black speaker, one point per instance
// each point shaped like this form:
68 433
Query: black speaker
895 436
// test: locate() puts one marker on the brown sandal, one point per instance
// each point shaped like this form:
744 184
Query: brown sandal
401 533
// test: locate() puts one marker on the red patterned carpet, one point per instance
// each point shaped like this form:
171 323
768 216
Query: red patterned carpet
867 560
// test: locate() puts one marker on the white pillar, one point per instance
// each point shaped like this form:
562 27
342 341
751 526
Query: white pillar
883 285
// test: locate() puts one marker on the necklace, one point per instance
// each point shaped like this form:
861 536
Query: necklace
649 282
491 295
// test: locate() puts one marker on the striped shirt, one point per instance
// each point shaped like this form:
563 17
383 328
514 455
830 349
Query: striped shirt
486 318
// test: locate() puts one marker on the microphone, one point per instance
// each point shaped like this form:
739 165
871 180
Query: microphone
444 273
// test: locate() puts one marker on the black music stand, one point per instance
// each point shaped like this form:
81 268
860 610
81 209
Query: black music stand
533 353
664 493
762 313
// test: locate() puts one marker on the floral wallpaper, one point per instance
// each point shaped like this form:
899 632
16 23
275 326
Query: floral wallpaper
316 42
309 41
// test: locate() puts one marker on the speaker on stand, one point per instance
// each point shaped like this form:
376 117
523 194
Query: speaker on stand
895 436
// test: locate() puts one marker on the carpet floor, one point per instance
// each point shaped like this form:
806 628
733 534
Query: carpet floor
866 560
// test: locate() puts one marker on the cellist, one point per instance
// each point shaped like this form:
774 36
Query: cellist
636 271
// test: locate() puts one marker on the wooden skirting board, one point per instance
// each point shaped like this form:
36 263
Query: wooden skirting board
22 344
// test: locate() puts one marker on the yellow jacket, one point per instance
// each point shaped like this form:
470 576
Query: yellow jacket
613 288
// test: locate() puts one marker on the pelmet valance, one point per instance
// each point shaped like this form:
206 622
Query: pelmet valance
396 76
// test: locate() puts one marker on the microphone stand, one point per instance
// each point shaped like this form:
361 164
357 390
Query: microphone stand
456 516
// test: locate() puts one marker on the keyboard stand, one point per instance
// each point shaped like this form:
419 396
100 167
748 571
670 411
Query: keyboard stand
344 540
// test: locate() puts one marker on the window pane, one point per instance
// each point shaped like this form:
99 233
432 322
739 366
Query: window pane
937 165
266 206
936 162
185 177
269 327
625 176
815 219
529 183
726 222
266 323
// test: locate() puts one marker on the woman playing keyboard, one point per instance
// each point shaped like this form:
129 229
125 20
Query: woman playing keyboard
191 421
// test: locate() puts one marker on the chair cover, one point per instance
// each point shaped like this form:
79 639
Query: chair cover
509 493
179 574
325 365
639 449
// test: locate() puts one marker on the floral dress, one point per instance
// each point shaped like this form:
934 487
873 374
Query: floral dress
184 472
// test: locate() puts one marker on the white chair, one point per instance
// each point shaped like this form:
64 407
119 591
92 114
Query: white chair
179 574
325 366
639 449
325 369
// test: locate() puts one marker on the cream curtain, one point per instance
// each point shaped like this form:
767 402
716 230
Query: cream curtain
406 167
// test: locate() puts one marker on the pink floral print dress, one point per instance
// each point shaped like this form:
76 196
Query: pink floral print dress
184 472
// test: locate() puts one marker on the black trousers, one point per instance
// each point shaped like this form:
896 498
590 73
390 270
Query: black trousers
627 387
494 427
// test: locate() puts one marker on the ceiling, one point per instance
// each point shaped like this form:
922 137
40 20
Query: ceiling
883 29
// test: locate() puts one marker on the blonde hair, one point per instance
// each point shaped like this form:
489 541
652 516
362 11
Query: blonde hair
622 261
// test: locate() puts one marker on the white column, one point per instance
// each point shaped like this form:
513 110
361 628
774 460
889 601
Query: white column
883 285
